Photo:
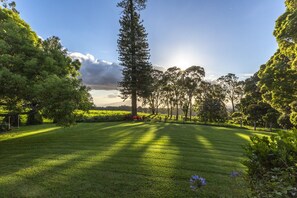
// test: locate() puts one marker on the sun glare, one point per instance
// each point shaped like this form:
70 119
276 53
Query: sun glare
183 60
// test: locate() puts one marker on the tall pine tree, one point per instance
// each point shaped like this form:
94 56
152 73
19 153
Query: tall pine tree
134 53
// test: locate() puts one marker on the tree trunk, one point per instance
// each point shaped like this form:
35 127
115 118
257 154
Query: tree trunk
190 108
233 109
171 110
134 94
241 122
157 104
168 111
176 117
270 126
255 126
187 112
134 103
153 111
153 107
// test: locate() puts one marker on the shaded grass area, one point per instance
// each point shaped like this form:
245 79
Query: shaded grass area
120 159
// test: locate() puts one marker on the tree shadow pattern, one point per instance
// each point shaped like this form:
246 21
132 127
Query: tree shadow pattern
122 160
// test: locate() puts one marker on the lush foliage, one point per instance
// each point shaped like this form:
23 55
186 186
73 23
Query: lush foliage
272 165
233 89
254 110
121 159
278 78
104 116
37 76
211 106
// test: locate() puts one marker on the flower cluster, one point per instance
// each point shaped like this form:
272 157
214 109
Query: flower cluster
234 174
197 182
136 118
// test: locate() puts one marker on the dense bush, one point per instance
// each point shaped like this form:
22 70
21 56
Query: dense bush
34 118
284 121
4 127
293 116
236 118
272 165
105 116
212 110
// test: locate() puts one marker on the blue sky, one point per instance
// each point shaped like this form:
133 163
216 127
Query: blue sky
230 36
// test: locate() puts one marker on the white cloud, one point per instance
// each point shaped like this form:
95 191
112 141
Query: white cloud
98 74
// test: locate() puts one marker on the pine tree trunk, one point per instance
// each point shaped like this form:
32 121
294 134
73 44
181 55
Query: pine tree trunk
134 103
255 126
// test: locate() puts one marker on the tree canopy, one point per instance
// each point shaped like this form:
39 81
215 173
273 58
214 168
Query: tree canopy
37 75
278 77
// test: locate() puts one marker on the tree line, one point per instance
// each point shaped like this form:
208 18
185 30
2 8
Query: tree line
268 98
187 90
37 77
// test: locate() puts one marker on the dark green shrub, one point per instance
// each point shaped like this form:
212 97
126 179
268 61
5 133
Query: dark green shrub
34 118
4 127
237 118
293 118
284 121
272 165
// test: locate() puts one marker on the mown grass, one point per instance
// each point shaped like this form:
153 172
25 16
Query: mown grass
132 159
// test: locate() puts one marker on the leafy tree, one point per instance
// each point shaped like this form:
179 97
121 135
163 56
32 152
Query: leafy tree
19 47
277 82
254 109
210 106
134 53
232 88
70 94
284 121
173 76
255 112
167 95
154 99
9 4
278 78
192 78
27 64
271 117
285 32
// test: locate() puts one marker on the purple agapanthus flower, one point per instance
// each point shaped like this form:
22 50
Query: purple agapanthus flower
197 182
234 174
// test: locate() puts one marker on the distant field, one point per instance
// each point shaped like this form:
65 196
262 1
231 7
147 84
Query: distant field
118 159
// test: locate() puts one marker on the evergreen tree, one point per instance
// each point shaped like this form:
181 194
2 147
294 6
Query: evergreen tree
134 53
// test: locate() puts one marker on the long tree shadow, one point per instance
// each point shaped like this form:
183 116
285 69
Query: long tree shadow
31 158
120 159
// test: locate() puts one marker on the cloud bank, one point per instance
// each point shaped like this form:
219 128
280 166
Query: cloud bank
98 74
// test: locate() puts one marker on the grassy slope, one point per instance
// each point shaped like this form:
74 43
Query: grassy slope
120 159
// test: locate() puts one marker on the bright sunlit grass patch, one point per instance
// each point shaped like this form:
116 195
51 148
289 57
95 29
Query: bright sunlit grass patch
21 133
120 159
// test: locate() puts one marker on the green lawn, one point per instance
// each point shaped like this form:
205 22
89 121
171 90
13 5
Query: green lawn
120 160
